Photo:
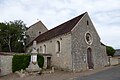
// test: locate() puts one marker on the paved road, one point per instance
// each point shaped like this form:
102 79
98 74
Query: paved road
110 74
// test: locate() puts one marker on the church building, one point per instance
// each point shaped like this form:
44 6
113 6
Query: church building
73 46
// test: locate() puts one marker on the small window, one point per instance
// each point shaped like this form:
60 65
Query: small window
39 32
87 22
58 46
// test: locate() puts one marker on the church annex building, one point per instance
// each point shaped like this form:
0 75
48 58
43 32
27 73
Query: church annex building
73 46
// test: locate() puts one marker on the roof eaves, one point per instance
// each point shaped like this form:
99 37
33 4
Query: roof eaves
59 30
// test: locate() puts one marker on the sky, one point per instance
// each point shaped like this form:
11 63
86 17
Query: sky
105 14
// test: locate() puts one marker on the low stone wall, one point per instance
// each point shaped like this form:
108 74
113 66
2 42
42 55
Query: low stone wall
114 60
5 64
118 60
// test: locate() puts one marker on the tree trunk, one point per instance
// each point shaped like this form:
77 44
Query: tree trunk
9 44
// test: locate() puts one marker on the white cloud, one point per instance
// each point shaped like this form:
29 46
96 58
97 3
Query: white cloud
104 14
110 35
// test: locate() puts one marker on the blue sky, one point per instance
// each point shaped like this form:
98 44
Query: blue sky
105 14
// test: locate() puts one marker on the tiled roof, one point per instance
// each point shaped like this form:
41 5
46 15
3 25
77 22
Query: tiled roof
59 30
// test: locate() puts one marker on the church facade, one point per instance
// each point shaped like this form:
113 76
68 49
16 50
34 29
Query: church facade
73 46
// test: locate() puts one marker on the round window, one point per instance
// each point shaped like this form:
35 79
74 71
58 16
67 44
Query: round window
88 38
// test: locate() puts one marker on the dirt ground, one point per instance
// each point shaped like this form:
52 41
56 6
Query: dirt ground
57 75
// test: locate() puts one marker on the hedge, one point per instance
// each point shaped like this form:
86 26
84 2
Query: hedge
22 61
40 60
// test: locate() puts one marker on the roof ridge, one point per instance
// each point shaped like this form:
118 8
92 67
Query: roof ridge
59 30
69 20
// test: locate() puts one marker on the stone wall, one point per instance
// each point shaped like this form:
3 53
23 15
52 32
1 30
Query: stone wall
62 59
5 64
118 60
114 60
79 46
35 29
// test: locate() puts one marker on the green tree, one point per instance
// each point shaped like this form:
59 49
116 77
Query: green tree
110 50
12 36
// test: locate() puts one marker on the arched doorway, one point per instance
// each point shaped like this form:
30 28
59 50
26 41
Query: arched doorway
89 59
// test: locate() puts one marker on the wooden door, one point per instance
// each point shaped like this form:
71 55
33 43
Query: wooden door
48 62
89 59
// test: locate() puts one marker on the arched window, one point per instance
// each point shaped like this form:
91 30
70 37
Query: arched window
40 50
58 46
44 49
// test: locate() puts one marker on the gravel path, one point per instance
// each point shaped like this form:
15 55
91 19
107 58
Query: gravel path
58 75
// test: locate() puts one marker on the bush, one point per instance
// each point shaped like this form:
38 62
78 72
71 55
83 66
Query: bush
22 61
110 50
40 60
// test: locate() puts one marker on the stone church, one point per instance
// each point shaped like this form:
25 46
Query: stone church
73 46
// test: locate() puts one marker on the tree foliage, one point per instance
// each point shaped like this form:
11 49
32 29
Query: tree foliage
12 36
110 50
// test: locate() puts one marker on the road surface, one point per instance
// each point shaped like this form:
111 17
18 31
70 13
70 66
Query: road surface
110 74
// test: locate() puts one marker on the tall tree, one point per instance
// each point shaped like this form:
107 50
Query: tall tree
110 50
12 35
